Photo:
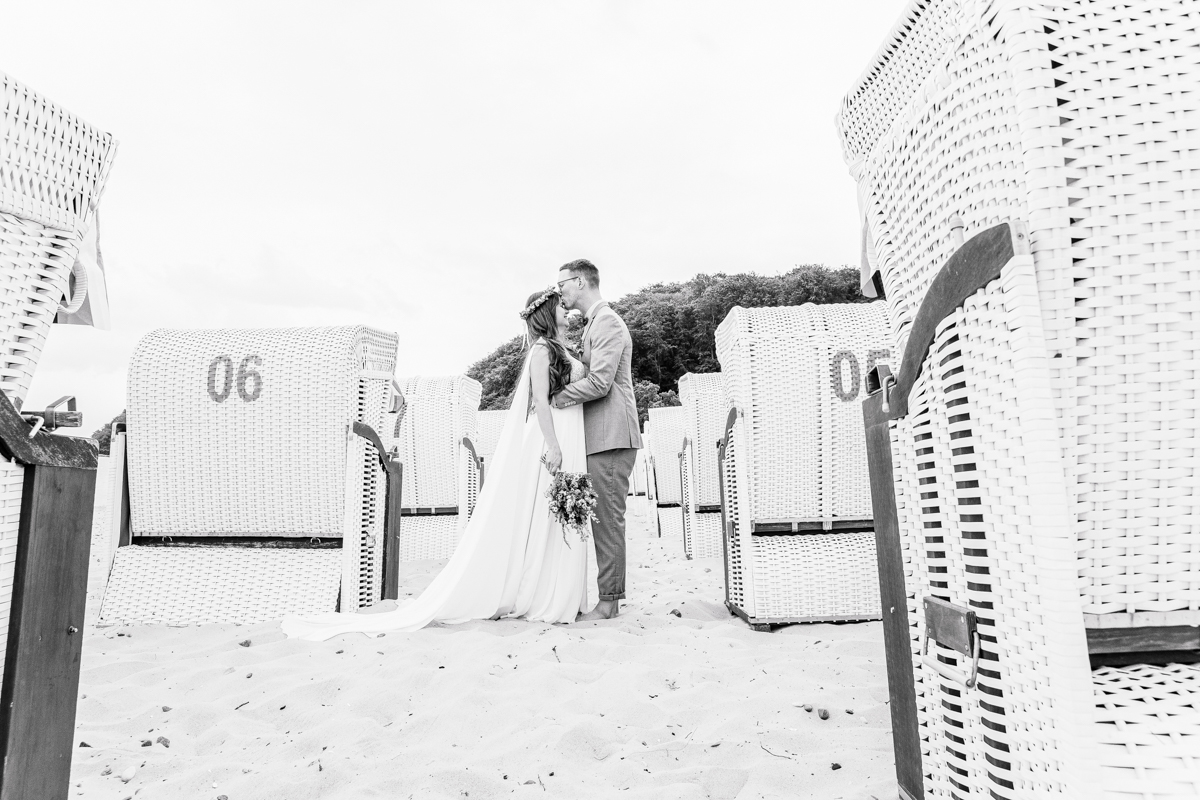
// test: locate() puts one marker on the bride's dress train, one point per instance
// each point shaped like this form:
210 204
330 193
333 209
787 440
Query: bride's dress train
512 559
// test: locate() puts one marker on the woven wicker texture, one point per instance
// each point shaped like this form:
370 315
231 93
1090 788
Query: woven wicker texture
246 432
1147 730
668 431
1075 117
488 427
703 399
983 514
12 477
670 522
430 536
440 412
790 577
53 167
797 373
224 584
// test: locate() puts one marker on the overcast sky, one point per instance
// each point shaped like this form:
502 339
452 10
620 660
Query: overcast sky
422 167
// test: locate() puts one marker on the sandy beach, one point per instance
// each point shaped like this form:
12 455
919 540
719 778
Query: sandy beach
650 705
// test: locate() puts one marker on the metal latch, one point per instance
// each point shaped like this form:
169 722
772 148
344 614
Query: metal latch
953 627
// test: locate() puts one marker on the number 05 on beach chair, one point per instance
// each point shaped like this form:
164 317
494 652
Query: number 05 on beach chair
1031 208
795 494
256 482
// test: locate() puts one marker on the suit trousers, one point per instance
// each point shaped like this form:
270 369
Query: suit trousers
610 471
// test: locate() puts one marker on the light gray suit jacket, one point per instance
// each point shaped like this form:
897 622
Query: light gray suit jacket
610 417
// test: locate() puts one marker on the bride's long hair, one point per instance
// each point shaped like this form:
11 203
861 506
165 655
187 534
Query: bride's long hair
543 322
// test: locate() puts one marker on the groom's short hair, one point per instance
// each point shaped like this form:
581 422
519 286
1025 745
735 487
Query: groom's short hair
584 269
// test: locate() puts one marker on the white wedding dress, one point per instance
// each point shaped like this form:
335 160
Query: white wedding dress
512 559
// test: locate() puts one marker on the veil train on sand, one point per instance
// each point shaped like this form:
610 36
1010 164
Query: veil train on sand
503 530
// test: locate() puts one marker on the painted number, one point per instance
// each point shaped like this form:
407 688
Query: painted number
224 364
837 374
246 379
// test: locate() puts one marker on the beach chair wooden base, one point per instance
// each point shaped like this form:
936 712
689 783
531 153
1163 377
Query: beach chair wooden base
201 585
782 579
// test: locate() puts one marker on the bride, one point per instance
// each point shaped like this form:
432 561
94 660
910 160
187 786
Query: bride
513 559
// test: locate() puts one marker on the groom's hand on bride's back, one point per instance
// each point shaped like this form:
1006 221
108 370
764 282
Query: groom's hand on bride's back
558 402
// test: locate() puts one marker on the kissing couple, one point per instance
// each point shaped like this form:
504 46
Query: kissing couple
513 559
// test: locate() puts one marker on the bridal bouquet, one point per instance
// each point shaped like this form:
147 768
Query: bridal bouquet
572 500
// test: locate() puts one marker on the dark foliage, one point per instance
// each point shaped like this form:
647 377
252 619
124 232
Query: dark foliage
103 435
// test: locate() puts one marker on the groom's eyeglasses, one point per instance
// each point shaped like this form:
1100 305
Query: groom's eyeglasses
568 280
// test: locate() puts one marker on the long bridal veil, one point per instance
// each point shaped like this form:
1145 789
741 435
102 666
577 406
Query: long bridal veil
490 564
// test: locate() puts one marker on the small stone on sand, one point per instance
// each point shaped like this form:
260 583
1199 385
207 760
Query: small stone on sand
128 774
836 766
676 612
244 643
164 741
822 713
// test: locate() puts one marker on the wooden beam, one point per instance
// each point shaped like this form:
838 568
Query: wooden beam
906 740
42 449
1137 640
974 265
45 635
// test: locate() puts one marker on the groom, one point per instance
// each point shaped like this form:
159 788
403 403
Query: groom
610 422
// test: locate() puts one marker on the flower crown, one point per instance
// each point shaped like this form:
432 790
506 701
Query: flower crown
541 298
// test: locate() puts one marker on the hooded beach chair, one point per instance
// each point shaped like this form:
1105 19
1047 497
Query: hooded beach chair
703 399
53 169
795 490
1030 210
442 469
258 484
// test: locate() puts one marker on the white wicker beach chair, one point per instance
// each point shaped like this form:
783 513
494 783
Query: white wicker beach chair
703 398
487 434
1037 447
795 492
255 483
665 447
53 169
441 463
637 480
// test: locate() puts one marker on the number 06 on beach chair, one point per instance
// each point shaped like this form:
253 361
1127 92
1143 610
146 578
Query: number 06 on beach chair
256 483
1027 177
795 495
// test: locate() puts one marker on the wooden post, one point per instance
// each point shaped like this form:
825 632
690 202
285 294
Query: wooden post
394 475
391 544
45 634
906 738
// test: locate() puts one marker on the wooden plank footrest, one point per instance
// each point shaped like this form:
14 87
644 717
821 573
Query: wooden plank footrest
203 585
